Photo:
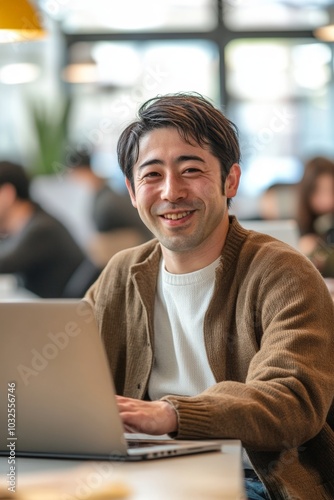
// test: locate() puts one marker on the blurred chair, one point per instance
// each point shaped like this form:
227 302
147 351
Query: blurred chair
103 246
82 278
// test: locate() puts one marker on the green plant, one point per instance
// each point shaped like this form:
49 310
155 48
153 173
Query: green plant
51 128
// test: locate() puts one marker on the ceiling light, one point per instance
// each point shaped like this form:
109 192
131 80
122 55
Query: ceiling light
80 73
13 74
326 32
19 21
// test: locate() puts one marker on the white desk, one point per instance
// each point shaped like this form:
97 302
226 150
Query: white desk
205 476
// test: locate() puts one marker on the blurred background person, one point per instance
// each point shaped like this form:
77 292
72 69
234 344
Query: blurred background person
116 222
277 202
34 246
315 213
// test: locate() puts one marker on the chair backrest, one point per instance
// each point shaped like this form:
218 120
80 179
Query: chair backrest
103 246
82 278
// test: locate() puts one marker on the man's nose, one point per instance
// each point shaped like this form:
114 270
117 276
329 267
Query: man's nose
173 188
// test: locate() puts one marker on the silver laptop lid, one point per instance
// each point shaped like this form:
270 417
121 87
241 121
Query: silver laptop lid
284 230
44 346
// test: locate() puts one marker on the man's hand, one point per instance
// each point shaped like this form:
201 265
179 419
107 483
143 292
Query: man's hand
148 417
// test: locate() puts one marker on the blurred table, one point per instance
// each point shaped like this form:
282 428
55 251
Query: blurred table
205 476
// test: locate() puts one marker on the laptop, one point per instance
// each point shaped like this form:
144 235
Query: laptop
284 230
60 394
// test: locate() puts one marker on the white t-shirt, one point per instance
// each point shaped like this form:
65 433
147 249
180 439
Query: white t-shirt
181 364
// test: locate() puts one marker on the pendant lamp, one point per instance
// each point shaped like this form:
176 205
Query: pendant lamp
19 21
326 32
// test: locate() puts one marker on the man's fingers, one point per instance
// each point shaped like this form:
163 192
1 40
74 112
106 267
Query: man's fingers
149 417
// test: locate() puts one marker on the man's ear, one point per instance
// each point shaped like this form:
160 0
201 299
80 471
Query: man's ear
131 192
232 181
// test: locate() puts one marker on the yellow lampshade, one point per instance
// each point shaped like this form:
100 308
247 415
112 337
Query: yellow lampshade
19 21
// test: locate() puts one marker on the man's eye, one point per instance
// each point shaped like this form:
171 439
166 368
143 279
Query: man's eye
191 170
151 174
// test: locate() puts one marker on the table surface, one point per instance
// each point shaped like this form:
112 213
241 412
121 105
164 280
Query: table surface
205 476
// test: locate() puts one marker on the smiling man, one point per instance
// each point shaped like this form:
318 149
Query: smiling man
212 330
178 192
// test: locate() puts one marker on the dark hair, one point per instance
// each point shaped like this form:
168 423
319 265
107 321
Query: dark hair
14 174
79 158
194 117
314 167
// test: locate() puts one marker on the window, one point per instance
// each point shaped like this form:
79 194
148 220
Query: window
108 96
280 97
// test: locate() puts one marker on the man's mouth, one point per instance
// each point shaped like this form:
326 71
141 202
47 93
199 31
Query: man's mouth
177 216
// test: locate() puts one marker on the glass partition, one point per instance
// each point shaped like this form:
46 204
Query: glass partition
281 97
275 14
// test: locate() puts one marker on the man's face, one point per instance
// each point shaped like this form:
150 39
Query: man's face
178 191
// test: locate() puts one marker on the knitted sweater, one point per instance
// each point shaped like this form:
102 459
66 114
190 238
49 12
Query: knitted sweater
269 339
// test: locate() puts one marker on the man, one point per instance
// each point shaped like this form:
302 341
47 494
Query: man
110 210
34 245
212 330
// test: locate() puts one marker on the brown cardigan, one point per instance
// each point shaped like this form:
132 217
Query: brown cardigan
269 334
